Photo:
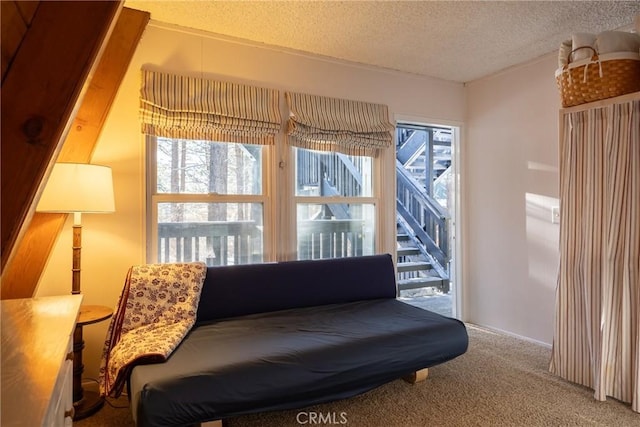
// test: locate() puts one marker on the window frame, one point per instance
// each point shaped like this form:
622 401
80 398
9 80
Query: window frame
322 200
153 198
279 200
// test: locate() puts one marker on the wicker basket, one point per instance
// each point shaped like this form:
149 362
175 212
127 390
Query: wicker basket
599 78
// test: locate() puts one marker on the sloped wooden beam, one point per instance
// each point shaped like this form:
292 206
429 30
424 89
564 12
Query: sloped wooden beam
16 19
22 274
103 86
40 91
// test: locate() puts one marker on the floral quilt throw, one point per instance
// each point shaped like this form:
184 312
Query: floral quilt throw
156 310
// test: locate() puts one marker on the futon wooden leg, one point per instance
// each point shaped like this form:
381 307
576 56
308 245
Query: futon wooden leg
417 376
216 423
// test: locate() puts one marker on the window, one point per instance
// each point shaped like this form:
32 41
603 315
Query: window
335 211
213 148
207 201
206 163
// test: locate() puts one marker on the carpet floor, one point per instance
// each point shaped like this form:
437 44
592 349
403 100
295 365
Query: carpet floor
500 381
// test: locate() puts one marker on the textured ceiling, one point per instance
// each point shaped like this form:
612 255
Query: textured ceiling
453 40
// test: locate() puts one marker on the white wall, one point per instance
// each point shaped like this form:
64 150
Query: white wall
112 243
511 183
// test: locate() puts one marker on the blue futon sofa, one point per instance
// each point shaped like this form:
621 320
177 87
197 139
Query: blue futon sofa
287 335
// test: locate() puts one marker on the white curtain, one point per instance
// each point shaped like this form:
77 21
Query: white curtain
597 331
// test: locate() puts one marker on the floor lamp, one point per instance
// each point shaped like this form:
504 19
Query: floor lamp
80 188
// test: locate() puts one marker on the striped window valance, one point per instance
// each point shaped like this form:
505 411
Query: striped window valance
332 124
174 106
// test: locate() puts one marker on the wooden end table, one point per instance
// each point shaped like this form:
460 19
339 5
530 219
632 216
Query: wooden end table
88 402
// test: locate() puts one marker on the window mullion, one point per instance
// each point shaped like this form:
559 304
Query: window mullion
336 200
208 198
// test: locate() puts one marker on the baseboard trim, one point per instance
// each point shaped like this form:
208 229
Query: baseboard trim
511 334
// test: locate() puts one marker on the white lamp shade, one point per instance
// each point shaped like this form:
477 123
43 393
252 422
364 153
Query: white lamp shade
78 187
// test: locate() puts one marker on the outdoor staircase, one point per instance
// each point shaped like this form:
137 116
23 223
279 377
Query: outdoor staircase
422 254
441 158
415 268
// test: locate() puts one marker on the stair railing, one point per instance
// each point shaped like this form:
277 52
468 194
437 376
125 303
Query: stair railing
343 173
428 221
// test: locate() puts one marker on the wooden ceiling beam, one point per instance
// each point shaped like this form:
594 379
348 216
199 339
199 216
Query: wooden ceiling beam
40 91
16 18
103 86
21 275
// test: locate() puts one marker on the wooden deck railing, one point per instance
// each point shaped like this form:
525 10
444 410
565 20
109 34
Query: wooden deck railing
240 242
213 242
330 238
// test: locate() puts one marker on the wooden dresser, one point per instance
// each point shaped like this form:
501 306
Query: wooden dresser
37 360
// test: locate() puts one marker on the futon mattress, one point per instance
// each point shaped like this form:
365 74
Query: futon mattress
291 359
